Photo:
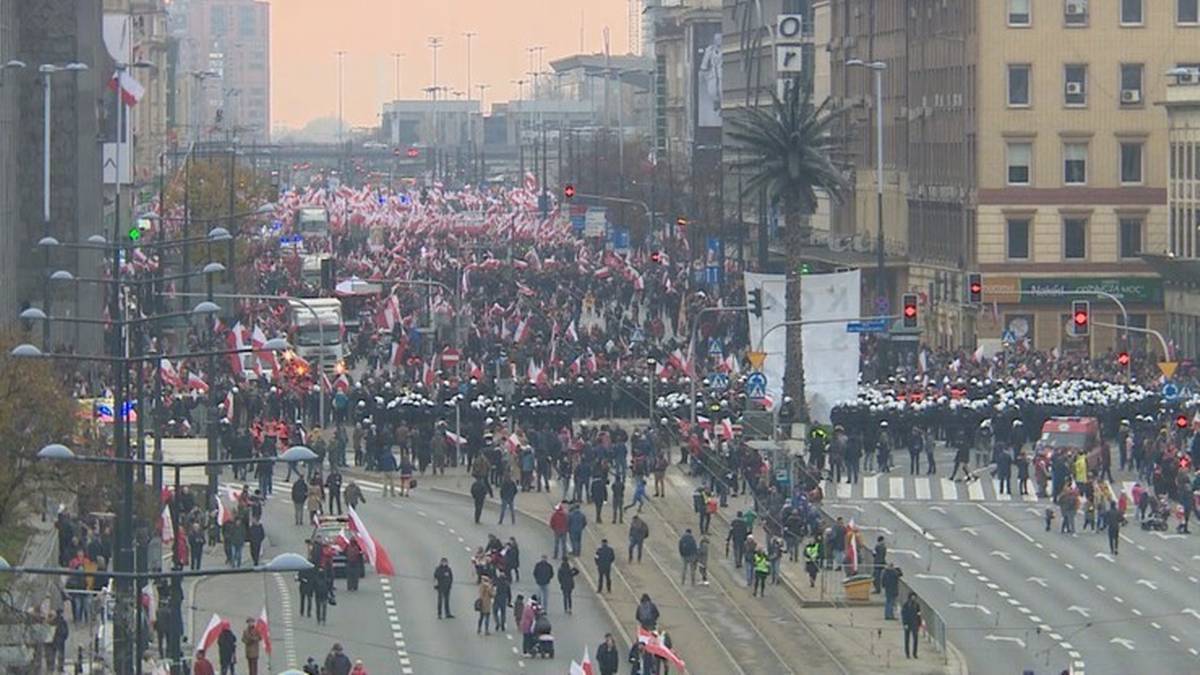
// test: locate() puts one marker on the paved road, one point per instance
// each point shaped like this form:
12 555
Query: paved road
1017 597
391 623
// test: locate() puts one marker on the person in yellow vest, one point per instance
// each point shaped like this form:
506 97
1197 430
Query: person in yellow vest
1081 468
762 569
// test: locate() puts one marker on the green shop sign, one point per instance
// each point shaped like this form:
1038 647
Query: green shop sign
1130 290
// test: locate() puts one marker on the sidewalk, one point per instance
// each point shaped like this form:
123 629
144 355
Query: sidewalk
857 636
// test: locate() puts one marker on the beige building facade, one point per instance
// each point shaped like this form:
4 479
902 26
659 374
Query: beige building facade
1072 162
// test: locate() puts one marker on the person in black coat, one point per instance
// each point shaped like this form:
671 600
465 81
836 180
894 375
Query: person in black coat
479 491
443 578
227 650
605 557
607 656
308 588
256 535
566 582
321 593
598 494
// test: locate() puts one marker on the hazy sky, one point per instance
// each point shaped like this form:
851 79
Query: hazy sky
306 33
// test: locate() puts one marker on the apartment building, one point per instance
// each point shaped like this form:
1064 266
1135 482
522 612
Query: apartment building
226 53
1072 162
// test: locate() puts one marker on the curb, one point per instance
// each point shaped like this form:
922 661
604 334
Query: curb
612 615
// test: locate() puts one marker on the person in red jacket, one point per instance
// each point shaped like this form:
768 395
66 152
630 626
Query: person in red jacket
201 666
558 523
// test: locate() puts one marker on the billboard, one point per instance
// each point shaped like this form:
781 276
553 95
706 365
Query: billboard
706 56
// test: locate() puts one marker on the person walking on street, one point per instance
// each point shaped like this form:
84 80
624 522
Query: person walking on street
647 613
910 616
299 497
618 498
566 583
598 494
702 559
639 531
250 641
576 521
605 557
508 500
543 574
762 569
812 560
308 589
201 665
687 552
336 661
354 564
256 535
558 525
354 495
608 658
227 651
512 559
890 579
333 484
1113 521
483 605
56 653
501 598
322 592
479 491
443 579
639 494
880 562
737 537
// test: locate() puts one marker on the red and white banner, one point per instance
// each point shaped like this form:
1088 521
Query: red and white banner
209 637
653 643
166 525
584 668
264 629
376 554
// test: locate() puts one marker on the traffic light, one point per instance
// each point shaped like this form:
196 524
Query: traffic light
568 191
1081 318
975 288
1123 359
413 153
1181 421
756 306
910 310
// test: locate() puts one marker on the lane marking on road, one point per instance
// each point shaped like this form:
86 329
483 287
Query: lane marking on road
938 509
389 601
1189 610
1147 583
1035 618
1173 638
963 605
922 488
871 487
289 626
1124 642
1037 580
1002 554
1119 599
970 530
896 488
1004 522
1101 588
1156 625
1005 638
1106 556
1136 611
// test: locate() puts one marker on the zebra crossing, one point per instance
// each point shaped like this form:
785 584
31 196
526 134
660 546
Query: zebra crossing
884 487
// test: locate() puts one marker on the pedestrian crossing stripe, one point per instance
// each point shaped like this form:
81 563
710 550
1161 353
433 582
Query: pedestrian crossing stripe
927 489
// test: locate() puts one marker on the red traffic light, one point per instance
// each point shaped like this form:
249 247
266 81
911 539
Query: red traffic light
1081 318
1181 421
413 152
1123 358
910 311
976 288
569 191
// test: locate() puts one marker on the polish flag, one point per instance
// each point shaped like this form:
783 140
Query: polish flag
663 370
427 375
229 404
852 548
131 90
196 382
522 331
236 340
223 514
584 668
150 602
513 443
264 629
216 625
166 525
591 363
342 383
726 429
397 358
169 374
376 554
653 643
455 438
537 374
265 357
474 370
577 365
571 334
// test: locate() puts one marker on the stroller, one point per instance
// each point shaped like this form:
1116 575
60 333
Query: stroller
543 640
1159 512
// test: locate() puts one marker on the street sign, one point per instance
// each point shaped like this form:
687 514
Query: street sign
756 359
1167 368
1009 337
719 381
450 357
869 326
756 385
882 305
1170 391
714 347
639 335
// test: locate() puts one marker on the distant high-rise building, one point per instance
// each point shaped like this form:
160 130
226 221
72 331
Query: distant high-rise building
225 55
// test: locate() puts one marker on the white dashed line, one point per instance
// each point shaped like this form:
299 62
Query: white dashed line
389 602
289 627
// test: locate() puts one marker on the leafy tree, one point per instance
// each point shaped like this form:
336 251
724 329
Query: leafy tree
787 150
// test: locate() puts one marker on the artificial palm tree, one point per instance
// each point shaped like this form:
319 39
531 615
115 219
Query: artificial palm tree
787 150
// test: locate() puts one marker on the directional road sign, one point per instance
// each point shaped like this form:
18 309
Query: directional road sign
869 326
756 385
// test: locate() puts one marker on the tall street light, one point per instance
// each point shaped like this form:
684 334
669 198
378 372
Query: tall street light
341 57
877 68
396 58
46 70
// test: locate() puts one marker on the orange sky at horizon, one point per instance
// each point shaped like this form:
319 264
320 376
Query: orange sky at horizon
305 34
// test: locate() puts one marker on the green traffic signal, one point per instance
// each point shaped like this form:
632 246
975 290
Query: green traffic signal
135 233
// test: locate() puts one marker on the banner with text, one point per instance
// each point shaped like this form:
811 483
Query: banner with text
831 355
774 301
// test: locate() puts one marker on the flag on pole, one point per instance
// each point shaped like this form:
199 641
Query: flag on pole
215 626
376 554
169 374
196 382
584 668
150 602
654 644
166 525
131 90
264 629
852 548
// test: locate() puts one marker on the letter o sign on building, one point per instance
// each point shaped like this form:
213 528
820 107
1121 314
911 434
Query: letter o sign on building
790 27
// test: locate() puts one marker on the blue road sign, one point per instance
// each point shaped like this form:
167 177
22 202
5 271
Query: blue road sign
1009 337
1170 390
756 385
714 347
882 305
719 381
869 326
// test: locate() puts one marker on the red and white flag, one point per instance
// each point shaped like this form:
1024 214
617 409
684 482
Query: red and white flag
229 404
376 554
223 514
166 525
455 438
169 374
209 637
131 90
397 358
266 357
571 334
522 331
264 629
653 643
727 429
196 382
150 602
584 668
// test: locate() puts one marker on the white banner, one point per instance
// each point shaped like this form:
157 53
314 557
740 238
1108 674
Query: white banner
831 355
774 300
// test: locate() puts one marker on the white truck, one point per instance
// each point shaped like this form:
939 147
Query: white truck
317 331
312 221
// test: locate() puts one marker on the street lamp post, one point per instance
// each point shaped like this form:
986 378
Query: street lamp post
877 68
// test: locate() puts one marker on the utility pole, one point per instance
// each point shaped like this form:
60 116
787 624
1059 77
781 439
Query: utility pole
435 43
341 57
397 57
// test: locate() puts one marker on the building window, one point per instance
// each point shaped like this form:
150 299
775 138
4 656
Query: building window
1075 77
1074 238
1075 12
1018 85
1131 83
1131 162
1075 157
1018 238
1131 12
1020 156
1018 12
1187 11
1131 237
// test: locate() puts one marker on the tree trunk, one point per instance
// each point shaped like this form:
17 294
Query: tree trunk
795 236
